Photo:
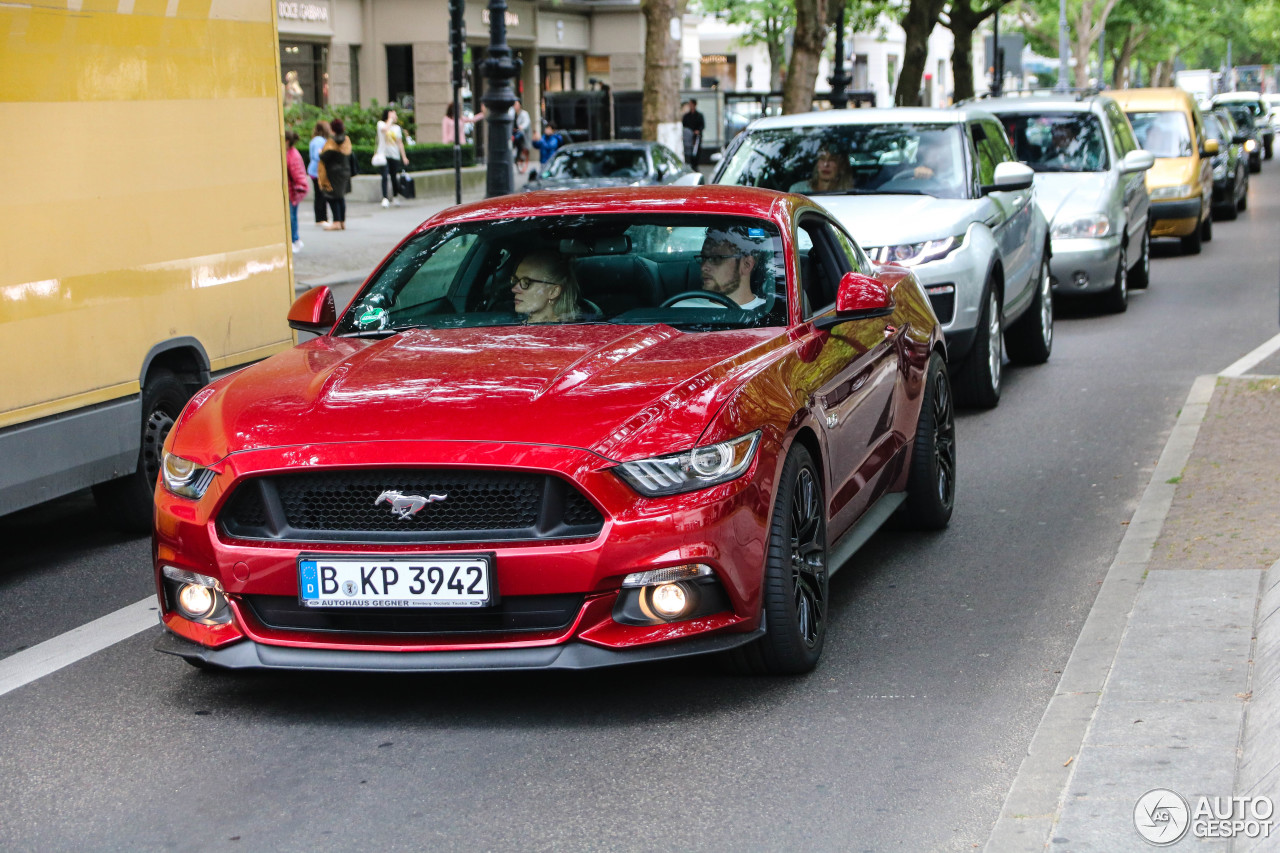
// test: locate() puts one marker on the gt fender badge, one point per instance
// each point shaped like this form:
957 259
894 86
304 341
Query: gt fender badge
405 506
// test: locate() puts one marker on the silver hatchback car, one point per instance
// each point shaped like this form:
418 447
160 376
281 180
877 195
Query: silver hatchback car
1090 185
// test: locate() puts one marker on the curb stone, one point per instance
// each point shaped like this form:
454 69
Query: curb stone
1259 770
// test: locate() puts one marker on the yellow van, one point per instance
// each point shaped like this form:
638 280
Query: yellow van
1167 123
146 232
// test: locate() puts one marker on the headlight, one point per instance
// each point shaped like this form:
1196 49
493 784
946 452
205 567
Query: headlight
694 469
1180 191
1251 145
910 254
184 477
1093 225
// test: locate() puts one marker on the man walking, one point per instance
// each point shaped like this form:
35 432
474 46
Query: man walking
694 125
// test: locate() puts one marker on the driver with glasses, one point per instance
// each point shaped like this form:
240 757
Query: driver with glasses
728 261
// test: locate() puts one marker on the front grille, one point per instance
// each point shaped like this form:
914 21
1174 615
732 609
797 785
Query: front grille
355 506
511 614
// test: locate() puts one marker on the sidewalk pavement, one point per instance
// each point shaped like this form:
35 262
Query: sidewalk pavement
1174 683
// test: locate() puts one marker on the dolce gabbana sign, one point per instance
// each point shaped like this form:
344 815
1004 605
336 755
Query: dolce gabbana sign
314 13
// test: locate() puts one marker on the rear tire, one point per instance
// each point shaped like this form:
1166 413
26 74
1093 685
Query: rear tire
128 503
981 374
1116 300
1030 339
1243 204
1191 243
931 482
1140 275
1206 229
795 589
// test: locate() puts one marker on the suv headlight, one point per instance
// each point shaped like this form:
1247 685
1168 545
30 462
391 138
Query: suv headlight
1093 225
910 254
694 469
1180 191
184 477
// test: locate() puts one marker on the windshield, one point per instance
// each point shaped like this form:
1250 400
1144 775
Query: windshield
701 273
1058 142
1242 116
916 159
1164 134
598 163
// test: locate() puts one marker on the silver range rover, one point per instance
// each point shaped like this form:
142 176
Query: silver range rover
935 190
1091 187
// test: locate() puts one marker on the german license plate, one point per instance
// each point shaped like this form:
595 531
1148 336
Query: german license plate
433 581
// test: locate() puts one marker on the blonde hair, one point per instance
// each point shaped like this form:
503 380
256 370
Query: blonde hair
559 270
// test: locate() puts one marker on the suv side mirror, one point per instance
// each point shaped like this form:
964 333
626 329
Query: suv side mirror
1010 177
314 311
1210 148
859 297
1137 161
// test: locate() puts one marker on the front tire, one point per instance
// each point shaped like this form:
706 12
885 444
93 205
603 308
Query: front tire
129 502
1116 300
1206 229
795 589
1030 340
1140 275
931 482
981 375
1243 204
1191 243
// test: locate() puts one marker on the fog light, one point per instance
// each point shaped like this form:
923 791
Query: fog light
195 601
1080 279
670 600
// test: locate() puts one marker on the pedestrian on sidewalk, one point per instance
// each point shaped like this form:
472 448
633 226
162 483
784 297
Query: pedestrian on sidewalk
319 136
520 138
297 182
446 125
390 158
548 143
694 125
337 165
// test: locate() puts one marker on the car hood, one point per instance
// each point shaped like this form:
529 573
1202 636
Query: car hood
885 220
1171 171
624 392
1071 193
584 183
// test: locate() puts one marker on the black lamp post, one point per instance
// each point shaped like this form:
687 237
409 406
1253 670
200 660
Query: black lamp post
839 80
500 67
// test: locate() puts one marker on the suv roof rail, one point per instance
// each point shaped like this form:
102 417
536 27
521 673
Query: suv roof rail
1079 93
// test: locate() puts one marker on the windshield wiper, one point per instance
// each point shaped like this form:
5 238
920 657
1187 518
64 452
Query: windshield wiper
374 333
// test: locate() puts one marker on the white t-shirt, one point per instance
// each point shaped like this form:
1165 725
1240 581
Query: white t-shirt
389 140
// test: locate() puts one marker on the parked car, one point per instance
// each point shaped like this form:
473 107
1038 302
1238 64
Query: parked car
1272 100
672 463
938 191
1260 110
613 164
1248 130
1090 185
1230 165
1168 123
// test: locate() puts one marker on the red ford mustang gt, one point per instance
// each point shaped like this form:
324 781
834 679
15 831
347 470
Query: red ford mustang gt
564 431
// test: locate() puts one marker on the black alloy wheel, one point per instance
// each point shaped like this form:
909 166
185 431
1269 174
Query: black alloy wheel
1116 299
795 589
980 376
931 482
1140 275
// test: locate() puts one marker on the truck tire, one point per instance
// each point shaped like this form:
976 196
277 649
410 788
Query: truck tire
129 502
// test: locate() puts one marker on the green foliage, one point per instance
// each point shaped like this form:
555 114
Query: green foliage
361 122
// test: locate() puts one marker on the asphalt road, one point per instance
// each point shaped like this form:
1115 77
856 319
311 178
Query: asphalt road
942 653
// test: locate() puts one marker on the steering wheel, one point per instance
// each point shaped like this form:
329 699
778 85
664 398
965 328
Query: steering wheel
700 294
591 307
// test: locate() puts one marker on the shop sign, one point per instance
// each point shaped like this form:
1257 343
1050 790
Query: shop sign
292 10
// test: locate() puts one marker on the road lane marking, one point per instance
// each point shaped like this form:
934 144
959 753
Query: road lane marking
1244 365
65 649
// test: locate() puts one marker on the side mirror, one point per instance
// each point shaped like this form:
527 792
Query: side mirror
1010 177
1210 148
314 311
1137 161
716 156
689 179
859 297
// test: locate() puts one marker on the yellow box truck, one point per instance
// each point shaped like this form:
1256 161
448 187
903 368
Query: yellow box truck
145 233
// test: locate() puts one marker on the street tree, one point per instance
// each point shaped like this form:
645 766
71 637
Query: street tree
765 23
807 42
918 22
660 107
963 17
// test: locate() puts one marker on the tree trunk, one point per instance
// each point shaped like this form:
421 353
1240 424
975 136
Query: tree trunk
917 24
777 60
963 23
661 106
806 48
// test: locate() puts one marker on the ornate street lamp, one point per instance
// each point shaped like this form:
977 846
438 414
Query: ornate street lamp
500 67
839 80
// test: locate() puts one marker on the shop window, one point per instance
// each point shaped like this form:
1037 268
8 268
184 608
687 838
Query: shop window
400 75
354 58
304 70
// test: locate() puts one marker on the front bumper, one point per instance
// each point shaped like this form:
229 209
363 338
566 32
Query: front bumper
724 527
1091 262
1178 218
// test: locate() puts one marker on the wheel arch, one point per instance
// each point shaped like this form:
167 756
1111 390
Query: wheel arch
185 357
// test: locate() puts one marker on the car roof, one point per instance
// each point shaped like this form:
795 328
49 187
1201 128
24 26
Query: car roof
1167 98
887 115
1064 103
611 144
1237 96
712 199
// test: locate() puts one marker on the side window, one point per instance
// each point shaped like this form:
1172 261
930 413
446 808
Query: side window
822 264
1198 123
1121 131
433 278
999 142
858 261
987 158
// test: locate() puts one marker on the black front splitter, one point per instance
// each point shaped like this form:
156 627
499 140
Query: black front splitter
247 654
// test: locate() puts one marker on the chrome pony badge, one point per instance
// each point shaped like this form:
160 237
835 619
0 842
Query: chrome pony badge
405 506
